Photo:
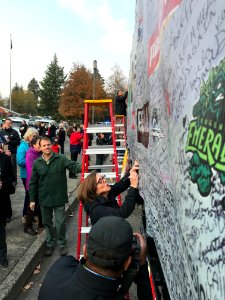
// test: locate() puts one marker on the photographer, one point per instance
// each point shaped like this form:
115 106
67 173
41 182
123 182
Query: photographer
99 198
106 270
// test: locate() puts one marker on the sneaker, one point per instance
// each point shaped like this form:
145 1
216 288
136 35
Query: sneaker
63 251
30 230
4 262
48 251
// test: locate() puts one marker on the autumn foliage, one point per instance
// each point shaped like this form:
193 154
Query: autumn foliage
78 88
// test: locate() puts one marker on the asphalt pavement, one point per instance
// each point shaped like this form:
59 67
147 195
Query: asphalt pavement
25 251
27 265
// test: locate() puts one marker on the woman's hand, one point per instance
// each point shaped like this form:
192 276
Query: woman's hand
133 178
135 167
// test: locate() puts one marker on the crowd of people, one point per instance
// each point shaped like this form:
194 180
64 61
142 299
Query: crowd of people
111 260
32 153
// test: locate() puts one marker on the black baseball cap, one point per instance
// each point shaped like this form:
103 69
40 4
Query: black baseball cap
110 234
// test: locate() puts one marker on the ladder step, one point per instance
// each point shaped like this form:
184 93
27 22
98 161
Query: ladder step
119 132
120 140
107 174
100 166
94 167
85 229
121 148
119 125
99 150
99 128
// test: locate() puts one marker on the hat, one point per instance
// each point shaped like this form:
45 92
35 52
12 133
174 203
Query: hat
111 234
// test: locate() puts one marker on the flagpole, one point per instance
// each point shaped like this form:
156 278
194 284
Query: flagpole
10 87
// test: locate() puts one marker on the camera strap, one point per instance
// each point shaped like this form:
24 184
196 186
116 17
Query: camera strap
127 280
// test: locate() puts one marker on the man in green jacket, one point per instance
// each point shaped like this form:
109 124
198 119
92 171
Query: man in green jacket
48 184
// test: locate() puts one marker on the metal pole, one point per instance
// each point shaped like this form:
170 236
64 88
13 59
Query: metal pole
10 87
94 89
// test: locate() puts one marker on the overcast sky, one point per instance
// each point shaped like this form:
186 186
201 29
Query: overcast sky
76 30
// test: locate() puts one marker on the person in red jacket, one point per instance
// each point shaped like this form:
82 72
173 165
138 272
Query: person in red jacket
76 138
55 145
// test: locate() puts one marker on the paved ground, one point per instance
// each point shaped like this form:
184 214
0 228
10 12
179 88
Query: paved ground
34 282
24 251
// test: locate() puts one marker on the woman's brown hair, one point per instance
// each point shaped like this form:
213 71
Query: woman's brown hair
87 189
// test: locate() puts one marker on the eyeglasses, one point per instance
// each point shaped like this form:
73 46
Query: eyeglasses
100 180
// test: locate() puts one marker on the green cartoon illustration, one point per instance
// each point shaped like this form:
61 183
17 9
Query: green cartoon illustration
206 133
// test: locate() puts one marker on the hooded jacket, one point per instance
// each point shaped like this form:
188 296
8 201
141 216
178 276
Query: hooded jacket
21 158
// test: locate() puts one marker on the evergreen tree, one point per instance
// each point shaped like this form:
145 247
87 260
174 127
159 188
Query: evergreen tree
33 87
51 88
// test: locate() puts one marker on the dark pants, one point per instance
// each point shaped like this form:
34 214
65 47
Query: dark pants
62 147
26 199
14 165
3 245
74 156
30 216
60 224
99 160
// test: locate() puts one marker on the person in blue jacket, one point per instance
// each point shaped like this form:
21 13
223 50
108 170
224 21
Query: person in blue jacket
21 162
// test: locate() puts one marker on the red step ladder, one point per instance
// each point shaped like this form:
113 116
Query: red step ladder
93 150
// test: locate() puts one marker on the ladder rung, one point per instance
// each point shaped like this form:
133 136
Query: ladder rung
107 174
85 229
120 140
119 132
101 166
99 151
119 125
98 101
121 148
99 128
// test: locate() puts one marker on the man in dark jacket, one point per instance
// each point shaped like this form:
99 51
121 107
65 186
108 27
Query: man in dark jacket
6 180
120 103
48 184
107 269
12 140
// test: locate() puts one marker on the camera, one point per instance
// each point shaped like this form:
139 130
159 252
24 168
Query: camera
136 250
